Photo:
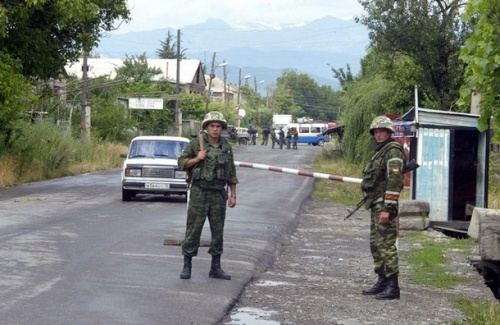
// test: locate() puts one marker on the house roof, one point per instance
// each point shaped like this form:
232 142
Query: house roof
99 67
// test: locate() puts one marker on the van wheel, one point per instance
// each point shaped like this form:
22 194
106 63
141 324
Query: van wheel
243 141
321 142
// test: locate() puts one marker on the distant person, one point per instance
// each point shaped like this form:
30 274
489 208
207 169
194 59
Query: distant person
253 135
295 138
211 170
274 140
382 183
265 136
288 138
282 138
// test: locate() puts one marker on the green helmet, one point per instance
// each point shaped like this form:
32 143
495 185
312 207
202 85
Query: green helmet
381 122
214 116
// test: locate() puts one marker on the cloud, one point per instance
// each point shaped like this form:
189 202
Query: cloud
156 14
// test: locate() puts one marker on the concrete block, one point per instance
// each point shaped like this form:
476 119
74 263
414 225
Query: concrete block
413 223
489 235
480 215
413 208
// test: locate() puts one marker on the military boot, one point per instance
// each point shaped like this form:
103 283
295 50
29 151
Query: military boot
391 291
186 271
377 287
216 271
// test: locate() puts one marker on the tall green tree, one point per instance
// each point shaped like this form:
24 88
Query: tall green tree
44 35
430 33
481 53
168 49
316 102
13 96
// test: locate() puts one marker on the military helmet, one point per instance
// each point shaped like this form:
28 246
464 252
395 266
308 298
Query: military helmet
381 122
212 117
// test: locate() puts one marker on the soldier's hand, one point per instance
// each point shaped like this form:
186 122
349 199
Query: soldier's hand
384 217
202 154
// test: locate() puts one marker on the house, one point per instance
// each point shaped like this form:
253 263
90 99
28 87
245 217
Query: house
191 75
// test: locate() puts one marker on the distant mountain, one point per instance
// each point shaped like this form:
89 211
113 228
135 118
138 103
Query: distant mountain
259 51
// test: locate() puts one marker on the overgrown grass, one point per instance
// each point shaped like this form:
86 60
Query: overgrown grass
477 312
44 151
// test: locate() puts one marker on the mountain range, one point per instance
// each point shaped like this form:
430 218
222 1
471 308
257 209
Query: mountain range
262 52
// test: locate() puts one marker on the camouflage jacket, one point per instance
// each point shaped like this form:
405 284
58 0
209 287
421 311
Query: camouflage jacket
383 176
216 171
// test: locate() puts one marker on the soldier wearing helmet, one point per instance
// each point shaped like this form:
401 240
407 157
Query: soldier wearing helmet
382 184
210 163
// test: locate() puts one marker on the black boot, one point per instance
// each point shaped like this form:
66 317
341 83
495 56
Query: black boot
186 271
377 287
216 271
391 291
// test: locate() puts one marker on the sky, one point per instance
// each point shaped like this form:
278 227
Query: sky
156 14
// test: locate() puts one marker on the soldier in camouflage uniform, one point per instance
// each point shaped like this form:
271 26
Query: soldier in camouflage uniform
210 171
382 184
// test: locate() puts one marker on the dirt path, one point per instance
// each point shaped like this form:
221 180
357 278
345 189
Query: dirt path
319 277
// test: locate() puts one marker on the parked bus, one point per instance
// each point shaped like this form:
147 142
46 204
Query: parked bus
310 133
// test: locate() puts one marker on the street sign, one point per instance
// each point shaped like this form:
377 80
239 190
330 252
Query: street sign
145 103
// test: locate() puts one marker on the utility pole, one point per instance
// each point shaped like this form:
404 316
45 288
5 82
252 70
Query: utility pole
178 112
85 108
255 101
239 88
211 76
224 95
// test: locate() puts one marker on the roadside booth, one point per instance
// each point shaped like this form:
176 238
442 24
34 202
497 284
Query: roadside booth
453 157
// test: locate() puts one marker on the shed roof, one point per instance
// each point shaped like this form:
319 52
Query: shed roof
428 116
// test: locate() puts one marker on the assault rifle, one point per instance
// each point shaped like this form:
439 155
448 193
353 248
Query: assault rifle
411 165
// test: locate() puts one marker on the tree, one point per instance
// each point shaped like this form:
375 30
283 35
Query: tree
137 68
430 33
168 49
481 53
44 35
365 99
316 102
13 96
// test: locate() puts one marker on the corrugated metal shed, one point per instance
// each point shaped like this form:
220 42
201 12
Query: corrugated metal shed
453 158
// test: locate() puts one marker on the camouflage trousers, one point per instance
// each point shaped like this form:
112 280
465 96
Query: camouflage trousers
202 204
383 243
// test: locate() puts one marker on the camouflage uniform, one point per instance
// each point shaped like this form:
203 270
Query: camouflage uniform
382 184
273 138
208 195
295 136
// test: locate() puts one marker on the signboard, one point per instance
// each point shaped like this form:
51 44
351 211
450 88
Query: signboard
145 103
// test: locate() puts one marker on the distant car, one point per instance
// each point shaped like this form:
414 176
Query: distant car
151 167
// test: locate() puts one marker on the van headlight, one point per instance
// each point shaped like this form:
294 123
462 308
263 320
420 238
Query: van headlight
180 174
133 172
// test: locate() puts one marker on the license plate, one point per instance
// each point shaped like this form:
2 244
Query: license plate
157 186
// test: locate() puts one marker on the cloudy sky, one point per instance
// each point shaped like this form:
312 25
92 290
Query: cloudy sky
156 14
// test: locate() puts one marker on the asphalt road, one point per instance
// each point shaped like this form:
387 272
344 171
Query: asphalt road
71 252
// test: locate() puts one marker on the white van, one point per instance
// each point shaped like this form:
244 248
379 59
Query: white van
310 133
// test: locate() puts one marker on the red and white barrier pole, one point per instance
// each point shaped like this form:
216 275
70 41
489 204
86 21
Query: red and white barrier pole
299 172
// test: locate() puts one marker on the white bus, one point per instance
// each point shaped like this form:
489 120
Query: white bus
310 133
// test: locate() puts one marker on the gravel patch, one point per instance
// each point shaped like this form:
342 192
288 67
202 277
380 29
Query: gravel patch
318 279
